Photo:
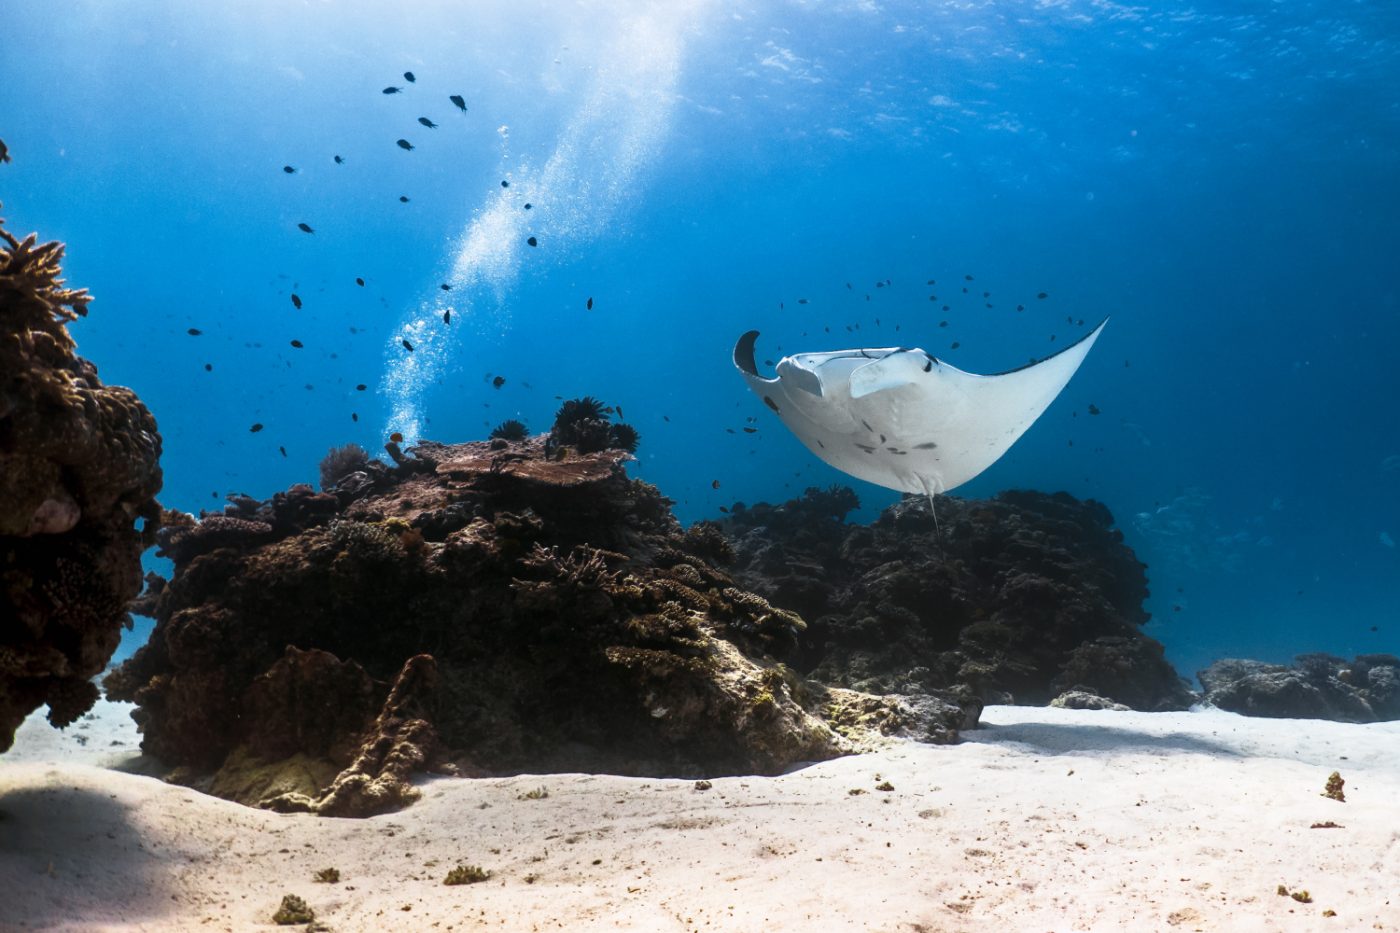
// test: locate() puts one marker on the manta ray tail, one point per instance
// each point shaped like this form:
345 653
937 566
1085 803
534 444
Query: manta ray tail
933 510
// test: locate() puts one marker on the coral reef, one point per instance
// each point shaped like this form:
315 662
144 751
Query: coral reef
474 608
1019 598
79 468
1317 686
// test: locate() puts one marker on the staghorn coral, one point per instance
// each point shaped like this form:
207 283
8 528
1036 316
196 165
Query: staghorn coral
79 468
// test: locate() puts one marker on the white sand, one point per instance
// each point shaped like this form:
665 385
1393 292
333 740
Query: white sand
1046 820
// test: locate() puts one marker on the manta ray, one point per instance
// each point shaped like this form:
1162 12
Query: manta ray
902 418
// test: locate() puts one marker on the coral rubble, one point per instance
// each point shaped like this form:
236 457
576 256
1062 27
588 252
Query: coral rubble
474 608
1316 686
79 468
1022 597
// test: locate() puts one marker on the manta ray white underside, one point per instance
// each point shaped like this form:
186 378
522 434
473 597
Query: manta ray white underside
904 419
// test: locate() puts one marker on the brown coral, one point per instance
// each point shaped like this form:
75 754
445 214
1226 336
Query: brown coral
79 467
543 614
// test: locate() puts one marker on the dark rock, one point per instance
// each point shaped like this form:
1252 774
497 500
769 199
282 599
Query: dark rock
477 610
1317 686
1080 698
79 467
1017 597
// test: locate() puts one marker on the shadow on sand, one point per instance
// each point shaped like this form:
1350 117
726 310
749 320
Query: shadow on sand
70 856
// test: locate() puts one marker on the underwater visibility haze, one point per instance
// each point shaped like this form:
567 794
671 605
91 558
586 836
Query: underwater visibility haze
308 224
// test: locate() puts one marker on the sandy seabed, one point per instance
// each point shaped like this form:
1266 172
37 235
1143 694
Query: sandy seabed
1043 820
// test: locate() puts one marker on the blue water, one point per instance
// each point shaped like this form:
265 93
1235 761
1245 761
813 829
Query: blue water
1221 178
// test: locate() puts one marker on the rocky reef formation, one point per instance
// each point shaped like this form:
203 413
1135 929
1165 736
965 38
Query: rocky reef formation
1316 686
79 469
1021 598
483 607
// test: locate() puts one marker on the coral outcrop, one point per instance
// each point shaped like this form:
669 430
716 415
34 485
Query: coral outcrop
483 607
1316 686
1020 598
79 470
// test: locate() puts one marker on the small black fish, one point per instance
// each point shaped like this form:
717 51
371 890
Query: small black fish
1043 295
802 301
942 323
305 228
1093 409
354 417
714 484
447 316
619 412
968 278
405 145
666 418
297 343
194 331
406 345
289 170
590 304
445 287
408 76
533 242
459 101
4 152
257 426
296 300
284 451
528 205
750 430
359 281
724 510
428 123
208 367
504 183
955 345
403 199
392 90
1020 307
498 381
361 387
339 160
